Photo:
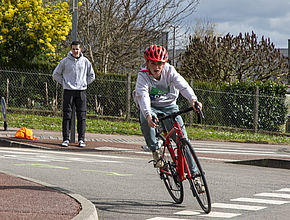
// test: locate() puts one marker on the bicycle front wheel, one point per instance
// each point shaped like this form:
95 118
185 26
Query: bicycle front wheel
198 184
169 175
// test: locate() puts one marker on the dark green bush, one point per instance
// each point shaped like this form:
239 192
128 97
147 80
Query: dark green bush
240 100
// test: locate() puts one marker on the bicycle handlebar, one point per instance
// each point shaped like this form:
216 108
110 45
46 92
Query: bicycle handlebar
173 115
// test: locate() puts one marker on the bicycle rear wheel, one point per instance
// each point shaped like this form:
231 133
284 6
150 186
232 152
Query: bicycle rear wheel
169 175
198 184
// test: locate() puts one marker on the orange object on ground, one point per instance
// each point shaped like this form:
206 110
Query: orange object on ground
25 133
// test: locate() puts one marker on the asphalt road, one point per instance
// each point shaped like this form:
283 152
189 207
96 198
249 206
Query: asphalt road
125 186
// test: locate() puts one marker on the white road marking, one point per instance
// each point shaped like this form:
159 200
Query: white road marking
113 149
211 214
236 206
163 218
44 156
264 201
16 152
275 195
186 212
231 150
217 159
219 151
220 215
35 151
284 190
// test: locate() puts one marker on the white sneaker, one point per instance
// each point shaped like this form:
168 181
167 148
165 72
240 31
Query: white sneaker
82 143
199 187
158 162
65 143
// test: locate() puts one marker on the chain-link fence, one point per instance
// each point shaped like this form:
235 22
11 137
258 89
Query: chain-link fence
38 93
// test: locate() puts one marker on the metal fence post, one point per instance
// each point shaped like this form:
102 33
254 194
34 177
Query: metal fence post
128 108
7 92
256 109
191 112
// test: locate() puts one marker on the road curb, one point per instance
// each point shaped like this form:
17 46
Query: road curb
9 143
88 210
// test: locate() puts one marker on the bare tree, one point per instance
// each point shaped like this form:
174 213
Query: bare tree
229 58
116 32
204 27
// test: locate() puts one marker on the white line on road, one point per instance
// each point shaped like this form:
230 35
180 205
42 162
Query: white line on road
211 214
284 190
163 218
275 195
34 151
231 150
45 158
273 154
236 206
222 215
264 201
16 152
186 212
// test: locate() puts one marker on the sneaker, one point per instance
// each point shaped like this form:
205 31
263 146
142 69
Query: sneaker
158 162
145 148
65 143
199 187
82 143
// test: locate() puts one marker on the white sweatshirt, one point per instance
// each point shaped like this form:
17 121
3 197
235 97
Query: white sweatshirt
160 93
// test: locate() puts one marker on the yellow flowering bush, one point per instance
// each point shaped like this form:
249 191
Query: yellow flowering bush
32 28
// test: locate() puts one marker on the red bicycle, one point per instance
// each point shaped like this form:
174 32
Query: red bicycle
177 158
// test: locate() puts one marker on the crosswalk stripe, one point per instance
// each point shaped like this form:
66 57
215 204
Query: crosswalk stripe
221 215
265 201
284 190
211 214
236 206
163 218
275 195
186 212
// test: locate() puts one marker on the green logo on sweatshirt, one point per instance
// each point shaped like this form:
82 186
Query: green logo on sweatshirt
155 91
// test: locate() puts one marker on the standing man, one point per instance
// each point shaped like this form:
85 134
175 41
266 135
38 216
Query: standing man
75 73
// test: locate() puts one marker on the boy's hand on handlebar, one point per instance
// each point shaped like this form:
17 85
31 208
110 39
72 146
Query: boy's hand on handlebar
199 104
151 122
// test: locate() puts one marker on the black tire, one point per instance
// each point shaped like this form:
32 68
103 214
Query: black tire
170 178
203 199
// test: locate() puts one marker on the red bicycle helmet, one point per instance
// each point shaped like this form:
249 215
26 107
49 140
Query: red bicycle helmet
156 53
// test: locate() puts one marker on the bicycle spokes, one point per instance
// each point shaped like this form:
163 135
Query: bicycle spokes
171 180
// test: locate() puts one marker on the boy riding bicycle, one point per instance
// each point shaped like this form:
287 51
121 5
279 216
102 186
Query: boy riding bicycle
157 89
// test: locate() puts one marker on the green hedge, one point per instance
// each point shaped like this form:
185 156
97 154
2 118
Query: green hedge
239 104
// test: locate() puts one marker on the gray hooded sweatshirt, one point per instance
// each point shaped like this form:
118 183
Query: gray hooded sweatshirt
74 73
160 93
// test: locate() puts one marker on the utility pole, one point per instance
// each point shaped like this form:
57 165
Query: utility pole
173 49
74 33
74 12
288 120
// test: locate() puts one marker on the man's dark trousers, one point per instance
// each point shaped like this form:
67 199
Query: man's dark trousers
79 99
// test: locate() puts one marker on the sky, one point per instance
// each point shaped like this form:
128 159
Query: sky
268 18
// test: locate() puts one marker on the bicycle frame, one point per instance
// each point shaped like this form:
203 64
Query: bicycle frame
179 157
178 164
